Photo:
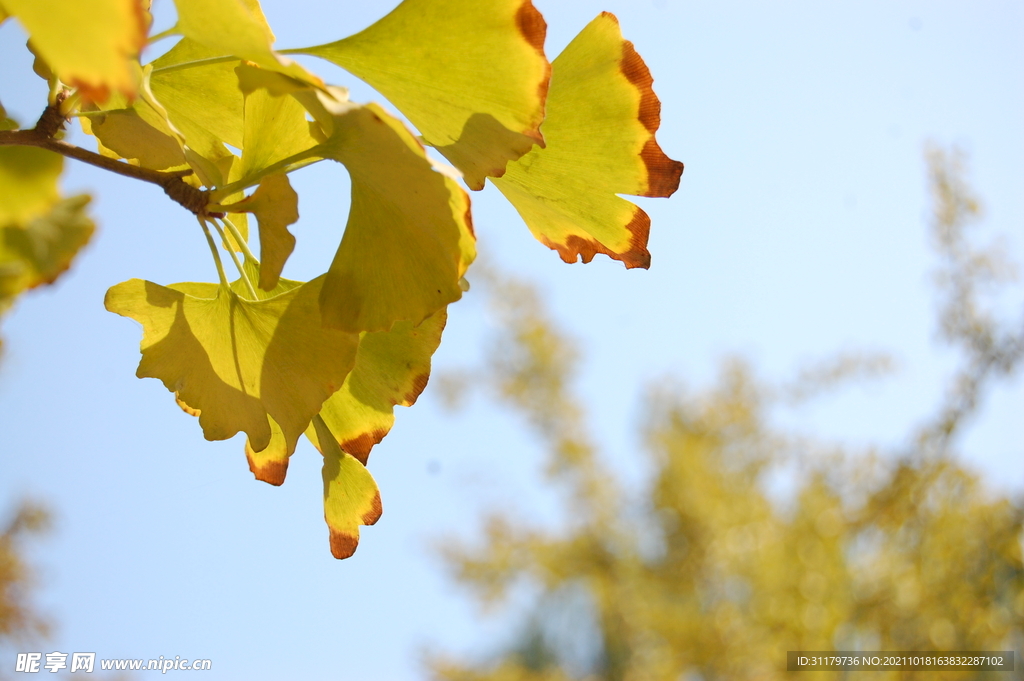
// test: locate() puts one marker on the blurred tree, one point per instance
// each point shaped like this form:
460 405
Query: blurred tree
702 575
19 621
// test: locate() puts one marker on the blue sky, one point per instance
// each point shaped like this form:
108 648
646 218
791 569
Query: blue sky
799 229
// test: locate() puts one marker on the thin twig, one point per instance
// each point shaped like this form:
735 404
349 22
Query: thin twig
52 122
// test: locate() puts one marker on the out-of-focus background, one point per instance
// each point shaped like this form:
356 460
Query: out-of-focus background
714 516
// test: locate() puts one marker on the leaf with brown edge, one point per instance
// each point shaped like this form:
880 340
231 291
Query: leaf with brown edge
89 44
601 118
238 362
351 497
275 205
392 368
409 237
271 463
471 75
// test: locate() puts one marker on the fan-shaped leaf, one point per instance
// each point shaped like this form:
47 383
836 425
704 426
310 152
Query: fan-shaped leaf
409 236
238 362
600 125
89 44
471 75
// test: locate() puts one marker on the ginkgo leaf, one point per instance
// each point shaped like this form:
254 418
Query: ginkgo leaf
89 44
392 368
203 101
271 463
238 362
238 28
471 75
41 249
129 136
275 205
601 118
275 129
409 237
351 497
28 182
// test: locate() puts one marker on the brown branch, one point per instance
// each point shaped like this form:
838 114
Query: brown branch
52 121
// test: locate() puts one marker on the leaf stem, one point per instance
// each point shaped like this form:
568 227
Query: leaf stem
254 179
52 122
214 251
238 264
173 30
242 243
195 64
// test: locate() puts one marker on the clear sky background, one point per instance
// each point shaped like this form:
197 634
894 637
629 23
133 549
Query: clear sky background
799 229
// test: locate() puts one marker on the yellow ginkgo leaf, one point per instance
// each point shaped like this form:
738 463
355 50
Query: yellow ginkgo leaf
238 362
600 125
89 44
409 237
471 75
392 368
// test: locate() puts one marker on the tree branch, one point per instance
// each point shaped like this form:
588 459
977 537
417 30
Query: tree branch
52 122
